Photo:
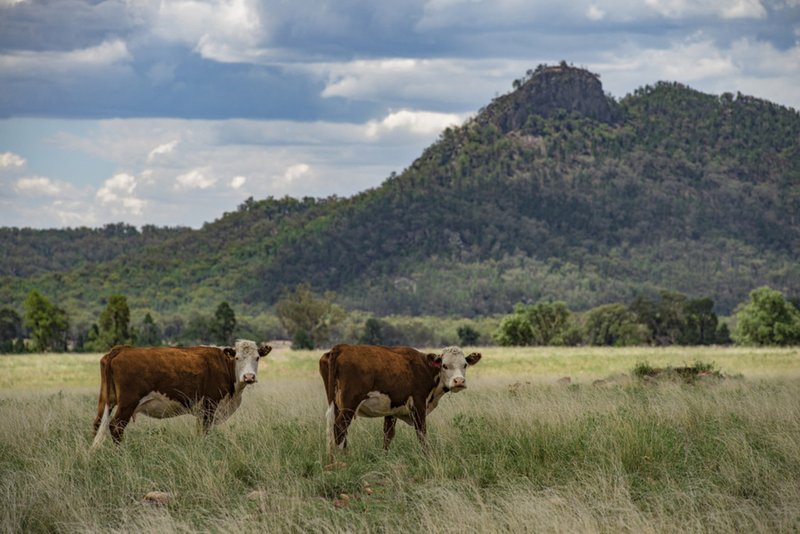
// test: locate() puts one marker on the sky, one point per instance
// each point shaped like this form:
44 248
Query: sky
173 112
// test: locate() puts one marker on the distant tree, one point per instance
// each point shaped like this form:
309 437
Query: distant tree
173 328
373 332
10 329
149 334
767 318
723 335
224 324
613 325
301 310
302 341
543 323
199 329
468 336
665 319
113 327
701 323
47 323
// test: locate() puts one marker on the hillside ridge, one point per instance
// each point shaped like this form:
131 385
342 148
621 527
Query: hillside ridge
554 190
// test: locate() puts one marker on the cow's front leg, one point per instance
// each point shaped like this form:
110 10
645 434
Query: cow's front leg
418 417
388 430
206 418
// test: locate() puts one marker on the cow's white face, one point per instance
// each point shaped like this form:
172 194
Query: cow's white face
453 365
247 354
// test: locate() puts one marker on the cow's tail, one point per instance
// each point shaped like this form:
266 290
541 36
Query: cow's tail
103 430
108 398
330 390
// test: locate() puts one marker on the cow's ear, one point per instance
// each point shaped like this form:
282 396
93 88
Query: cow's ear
264 349
229 351
434 359
474 358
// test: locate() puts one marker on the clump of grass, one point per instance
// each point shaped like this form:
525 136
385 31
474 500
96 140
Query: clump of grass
688 374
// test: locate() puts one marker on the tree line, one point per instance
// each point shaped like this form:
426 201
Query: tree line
766 318
313 321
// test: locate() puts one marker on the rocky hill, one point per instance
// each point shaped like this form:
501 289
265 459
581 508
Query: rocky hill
555 190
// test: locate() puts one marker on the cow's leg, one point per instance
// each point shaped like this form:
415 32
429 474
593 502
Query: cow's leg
121 419
206 417
388 430
418 417
343 420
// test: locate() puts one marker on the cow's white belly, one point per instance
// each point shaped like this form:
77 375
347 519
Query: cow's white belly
378 404
158 405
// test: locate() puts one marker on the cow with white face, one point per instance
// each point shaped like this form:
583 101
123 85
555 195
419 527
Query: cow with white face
164 382
389 382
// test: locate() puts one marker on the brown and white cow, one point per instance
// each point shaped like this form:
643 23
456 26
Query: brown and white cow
388 382
168 381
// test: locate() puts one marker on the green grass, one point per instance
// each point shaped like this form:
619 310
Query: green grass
517 451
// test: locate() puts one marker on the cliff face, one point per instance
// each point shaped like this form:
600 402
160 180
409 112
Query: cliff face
546 92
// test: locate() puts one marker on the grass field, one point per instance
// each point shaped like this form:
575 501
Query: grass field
518 451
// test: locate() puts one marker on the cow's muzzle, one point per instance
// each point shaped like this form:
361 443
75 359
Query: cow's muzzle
458 384
249 378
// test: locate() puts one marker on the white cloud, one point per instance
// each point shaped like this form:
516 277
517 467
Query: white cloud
103 55
237 182
117 193
744 9
162 149
727 9
415 122
195 179
595 13
460 82
9 159
295 172
38 186
747 65
220 30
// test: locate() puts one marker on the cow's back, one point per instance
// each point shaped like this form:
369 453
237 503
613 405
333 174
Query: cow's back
183 374
361 369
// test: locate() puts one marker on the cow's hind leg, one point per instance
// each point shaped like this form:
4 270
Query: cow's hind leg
342 422
388 430
121 419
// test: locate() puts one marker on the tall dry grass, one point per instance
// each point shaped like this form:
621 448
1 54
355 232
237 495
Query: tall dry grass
515 452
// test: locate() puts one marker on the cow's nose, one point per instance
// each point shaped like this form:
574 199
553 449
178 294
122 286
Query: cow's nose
459 382
249 378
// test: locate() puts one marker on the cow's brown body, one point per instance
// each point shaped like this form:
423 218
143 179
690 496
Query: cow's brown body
168 381
357 375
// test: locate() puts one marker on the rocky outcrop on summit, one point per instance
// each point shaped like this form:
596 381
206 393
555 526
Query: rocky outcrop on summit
547 91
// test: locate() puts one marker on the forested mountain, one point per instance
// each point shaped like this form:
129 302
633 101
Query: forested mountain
553 190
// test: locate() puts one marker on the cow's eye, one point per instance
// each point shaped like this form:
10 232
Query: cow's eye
445 367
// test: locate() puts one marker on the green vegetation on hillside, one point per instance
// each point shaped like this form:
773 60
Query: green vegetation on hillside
554 191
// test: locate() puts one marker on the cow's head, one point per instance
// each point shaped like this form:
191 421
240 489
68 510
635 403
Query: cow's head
247 353
453 367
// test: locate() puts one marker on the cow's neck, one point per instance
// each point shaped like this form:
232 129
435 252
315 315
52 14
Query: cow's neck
231 401
437 392
234 387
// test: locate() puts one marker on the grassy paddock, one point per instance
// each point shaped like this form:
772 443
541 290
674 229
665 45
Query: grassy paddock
516 452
